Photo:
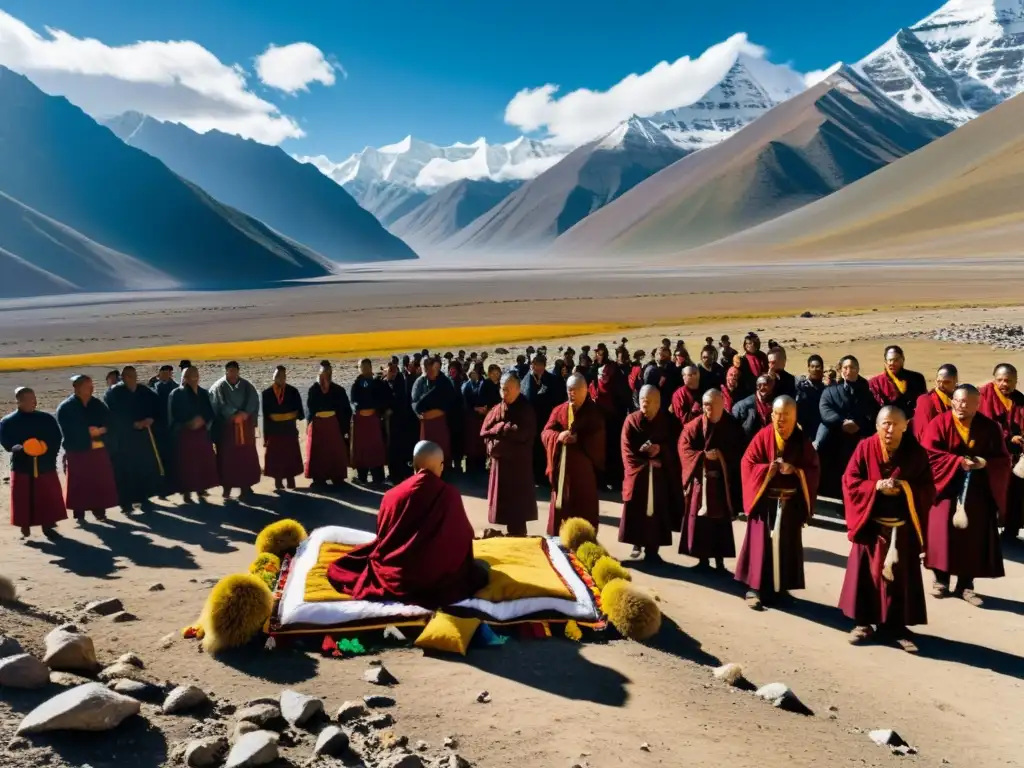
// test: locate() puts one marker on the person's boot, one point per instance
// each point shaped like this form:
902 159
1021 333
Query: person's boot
246 493
702 565
25 531
965 591
361 474
186 498
753 600
51 532
377 475
940 585
226 493
860 635
79 515
127 509
100 514
147 505
652 556
290 483
636 553
720 564
278 484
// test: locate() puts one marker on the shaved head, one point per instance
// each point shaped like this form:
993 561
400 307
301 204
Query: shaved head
428 457
577 388
890 413
784 415
650 400
647 389
783 402
713 405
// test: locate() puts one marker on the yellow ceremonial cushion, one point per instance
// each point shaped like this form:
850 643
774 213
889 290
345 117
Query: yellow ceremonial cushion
318 588
447 633
520 568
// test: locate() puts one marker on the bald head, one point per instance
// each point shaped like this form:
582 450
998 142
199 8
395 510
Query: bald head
650 400
510 387
713 405
891 424
784 415
576 385
691 376
428 457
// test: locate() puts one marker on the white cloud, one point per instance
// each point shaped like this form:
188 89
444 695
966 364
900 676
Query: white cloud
814 77
171 80
291 68
584 114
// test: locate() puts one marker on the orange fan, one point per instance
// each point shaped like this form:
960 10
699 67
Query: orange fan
34 448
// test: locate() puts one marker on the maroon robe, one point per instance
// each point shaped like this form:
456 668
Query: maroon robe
511 499
367 449
195 462
1011 422
647 522
90 480
612 393
472 441
710 535
751 365
237 459
973 551
686 405
928 407
436 431
423 553
36 495
585 460
761 487
872 519
326 450
36 500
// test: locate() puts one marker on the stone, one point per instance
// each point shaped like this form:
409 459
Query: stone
107 607
807 313
392 632
886 737
378 702
68 650
156 587
138 689
120 671
184 698
332 742
18 743
68 679
256 748
264 715
402 761
379 675
23 671
131 658
730 673
122 616
380 721
8 592
298 708
483 697
645 747
351 710
450 742
9 647
241 729
453 761
273 700
204 753
780 696
89 707
167 641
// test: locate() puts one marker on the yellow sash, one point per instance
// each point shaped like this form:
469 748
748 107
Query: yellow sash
290 416
965 432
780 444
897 382
97 444
1007 402
943 398
325 414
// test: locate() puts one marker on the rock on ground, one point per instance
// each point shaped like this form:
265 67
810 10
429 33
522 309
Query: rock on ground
453 761
730 673
131 658
351 710
184 698
885 737
106 607
120 671
89 707
378 702
156 587
402 761
780 696
122 616
241 729
8 592
264 716
9 647
298 708
379 675
204 753
137 689
256 748
68 650
23 671
332 742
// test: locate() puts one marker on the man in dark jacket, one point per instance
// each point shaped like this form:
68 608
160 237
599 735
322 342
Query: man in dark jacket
848 411
754 413
808 396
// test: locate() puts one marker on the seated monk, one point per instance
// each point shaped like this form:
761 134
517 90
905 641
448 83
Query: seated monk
423 553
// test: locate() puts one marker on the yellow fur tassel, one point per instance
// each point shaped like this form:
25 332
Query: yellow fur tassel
280 538
572 631
235 612
575 531
589 553
607 569
631 611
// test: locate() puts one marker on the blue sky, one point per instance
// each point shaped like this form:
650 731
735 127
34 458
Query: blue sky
445 70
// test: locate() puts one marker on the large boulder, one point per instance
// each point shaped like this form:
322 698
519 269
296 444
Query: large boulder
89 707
298 708
183 698
68 650
23 671
256 748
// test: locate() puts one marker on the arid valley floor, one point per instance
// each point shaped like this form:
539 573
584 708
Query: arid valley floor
553 703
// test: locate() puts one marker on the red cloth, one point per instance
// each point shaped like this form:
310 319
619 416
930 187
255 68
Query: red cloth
423 553
326 451
282 459
613 394
974 550
90 479
636 527
585 459
368 450
686 405
1012 424
511 498
928 407
237 459
711 535
436 431
472 443
195 463
866 597
754 564
36 500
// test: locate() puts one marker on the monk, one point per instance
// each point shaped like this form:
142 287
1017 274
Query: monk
971 469
432 399
33 439
423 553
887 492
508 432
84 421
544 391
191 419
937 401
574 443
686 401
236 408
752 362
138 465
163 386
610 391
754 413
848 411
780 484
398 422
282 410
1002 403
808 396
785 382
475 411
896 385
732 390
368 451
329 415
710 450
651 498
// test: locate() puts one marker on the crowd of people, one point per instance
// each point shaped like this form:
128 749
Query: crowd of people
923 473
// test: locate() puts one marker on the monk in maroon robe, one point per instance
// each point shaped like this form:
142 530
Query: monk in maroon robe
368 451
33 439
710 450
686 402
935 402
611 393
1002 403
84 421
282 410
423 553
887 492
733 391
508 432
896 385
574 444
330 416
971 469
651 496
780 484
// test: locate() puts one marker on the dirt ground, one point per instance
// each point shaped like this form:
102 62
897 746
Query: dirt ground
555 703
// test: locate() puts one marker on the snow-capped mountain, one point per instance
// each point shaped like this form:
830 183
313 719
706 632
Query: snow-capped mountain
960 61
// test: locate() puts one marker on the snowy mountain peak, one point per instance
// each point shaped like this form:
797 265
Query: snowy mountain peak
634 132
